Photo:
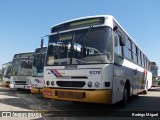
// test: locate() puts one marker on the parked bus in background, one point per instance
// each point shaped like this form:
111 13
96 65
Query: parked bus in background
6 73
1 75
154 68
37 81
93 59
22 71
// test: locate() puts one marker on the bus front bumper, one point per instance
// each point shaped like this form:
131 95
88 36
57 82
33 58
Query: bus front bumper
93 96
36 90
28 87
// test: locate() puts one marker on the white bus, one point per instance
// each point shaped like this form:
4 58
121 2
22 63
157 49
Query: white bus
22 71
6 71
154 68
37 81
93 59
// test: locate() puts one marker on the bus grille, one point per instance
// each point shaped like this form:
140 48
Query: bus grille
70 95
20 82
71 83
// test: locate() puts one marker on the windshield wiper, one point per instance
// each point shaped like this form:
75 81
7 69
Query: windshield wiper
84 40
90 48
85 36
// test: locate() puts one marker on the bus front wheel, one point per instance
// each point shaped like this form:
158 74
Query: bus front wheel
125 96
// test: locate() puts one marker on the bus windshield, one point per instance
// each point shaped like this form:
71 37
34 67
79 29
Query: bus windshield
22 66
7 71
87 46
154 71
38 64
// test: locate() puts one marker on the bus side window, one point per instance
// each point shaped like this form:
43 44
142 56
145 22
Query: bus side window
117 46
118 59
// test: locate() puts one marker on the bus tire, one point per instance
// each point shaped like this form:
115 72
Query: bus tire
19 89
125 96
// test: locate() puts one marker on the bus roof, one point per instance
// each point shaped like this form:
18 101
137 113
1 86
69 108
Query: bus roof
7 63
19 54
40 50
81 18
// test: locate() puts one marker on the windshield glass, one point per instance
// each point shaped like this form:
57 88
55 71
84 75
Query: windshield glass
7 71
154 71
22 66
87 46
38 64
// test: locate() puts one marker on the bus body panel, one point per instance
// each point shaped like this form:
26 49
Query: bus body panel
85 73
82 75
149 79
137 76
20 82
37 84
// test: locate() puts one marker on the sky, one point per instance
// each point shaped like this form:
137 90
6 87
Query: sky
24 22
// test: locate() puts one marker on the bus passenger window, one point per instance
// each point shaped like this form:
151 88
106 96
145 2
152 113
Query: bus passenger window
117 46
118 50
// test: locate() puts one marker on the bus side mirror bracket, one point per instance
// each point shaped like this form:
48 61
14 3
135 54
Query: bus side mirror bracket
122 36
116 41
42 42
115 28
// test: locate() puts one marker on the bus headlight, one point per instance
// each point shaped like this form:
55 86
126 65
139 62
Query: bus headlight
97 84
52 83
89 84
47 83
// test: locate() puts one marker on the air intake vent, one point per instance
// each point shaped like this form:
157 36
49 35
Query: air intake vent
70 94
24 82
71 83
